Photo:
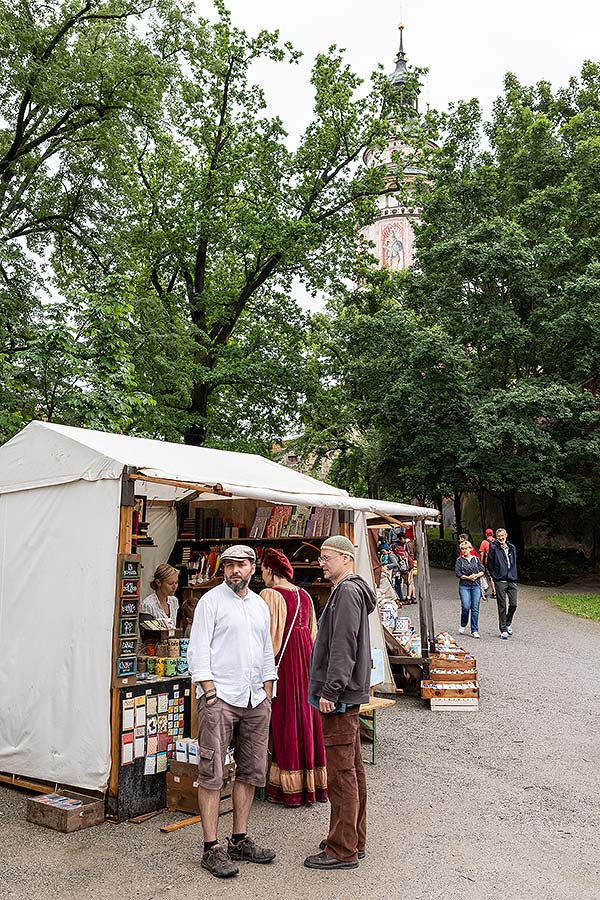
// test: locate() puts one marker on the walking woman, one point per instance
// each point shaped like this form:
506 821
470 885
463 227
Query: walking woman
469 571
297 775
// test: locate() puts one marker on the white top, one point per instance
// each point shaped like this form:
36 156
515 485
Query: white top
230 644
153 606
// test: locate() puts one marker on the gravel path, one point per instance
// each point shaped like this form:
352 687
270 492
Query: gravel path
502 803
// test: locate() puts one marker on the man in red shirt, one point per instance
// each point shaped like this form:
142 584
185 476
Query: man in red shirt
484 550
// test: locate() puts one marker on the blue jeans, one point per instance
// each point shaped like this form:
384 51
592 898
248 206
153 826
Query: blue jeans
470 595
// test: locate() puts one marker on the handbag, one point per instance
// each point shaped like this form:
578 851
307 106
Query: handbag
282 651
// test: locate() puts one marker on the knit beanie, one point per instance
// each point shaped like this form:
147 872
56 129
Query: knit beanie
340 543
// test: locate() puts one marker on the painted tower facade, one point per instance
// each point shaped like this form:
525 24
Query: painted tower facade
392 232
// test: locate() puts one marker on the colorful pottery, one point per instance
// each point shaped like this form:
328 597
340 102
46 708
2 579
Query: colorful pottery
170 667
151 664
174 648
182 665
160 668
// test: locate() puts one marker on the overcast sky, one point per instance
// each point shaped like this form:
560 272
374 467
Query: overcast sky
467 45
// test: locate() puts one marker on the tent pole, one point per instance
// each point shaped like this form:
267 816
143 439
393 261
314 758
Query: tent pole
423 573
200 488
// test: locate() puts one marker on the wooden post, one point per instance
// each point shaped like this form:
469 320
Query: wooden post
428 598
423 574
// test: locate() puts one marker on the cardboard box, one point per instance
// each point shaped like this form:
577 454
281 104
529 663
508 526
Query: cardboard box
89 812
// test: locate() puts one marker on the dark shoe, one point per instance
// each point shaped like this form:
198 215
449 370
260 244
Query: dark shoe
247 850
218 862
323 861
323 846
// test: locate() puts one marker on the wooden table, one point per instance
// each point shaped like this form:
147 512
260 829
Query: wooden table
368 712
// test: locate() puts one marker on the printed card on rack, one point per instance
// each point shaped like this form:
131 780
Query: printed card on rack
152 725
128 715
161 762
150 765
139 744
152 744
152 705
127 748
163 742
140 711
162 723
163 703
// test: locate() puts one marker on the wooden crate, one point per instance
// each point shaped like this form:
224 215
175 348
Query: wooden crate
452 690
456 704
91 812
182 788
438 675
442 662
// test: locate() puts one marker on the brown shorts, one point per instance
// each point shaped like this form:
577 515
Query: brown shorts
215 735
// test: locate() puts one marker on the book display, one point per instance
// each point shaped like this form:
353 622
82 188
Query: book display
297 530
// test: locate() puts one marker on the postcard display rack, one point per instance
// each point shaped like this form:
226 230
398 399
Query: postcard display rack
297 530
150 713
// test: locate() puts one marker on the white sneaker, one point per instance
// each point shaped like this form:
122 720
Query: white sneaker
475 634
504 635
461 630
509 629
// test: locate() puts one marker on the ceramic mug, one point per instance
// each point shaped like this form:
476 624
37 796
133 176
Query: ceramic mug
160 665
184 643
174 648
151 664
170 667
142 664
182 665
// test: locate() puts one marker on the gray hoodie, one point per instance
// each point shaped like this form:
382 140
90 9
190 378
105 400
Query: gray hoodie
340 665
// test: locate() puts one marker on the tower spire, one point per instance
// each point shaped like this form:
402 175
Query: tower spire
399 74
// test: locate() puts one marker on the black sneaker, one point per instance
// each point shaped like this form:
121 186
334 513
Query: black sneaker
361 853
218 862
325 862
247 850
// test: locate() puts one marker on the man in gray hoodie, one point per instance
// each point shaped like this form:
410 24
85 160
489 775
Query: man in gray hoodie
340 675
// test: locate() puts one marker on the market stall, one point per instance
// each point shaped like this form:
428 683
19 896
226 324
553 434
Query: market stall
84 517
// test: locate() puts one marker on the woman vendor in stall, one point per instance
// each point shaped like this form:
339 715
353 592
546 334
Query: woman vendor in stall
162 604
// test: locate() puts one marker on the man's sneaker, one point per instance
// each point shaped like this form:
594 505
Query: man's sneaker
509 630
247 850
361 853
461 630
475 634
327 863
218 862
504 635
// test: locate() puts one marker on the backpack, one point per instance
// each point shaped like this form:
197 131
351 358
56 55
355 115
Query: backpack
404 562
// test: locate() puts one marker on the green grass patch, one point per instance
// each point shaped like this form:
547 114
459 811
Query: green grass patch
585 605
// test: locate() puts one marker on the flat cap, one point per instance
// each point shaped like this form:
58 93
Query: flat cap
239 551
340 543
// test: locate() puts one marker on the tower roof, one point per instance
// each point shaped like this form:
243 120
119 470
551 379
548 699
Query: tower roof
398 76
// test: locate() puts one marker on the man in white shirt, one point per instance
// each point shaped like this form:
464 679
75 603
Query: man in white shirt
230 657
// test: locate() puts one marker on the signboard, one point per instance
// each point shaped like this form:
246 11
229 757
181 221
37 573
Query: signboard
127 647
128 627
130 568
128 606
126 665
130 587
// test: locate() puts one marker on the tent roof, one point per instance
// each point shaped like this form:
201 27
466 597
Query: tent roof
44 454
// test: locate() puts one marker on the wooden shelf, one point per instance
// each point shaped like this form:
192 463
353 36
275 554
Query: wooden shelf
247 540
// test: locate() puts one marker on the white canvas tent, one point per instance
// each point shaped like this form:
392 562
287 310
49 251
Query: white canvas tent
60 496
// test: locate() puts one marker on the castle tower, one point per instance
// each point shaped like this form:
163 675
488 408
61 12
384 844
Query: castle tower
392 231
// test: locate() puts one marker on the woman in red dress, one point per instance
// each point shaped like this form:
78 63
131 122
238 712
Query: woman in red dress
297 775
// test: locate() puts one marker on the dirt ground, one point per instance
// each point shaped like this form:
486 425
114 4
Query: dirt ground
502 803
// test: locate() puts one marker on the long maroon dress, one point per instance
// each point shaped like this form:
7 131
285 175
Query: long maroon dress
297 774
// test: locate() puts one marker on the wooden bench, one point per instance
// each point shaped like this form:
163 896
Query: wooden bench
368 718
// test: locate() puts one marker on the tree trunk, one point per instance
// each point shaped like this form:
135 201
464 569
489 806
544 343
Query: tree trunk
196 433
439 502
481 501
458 511
512 522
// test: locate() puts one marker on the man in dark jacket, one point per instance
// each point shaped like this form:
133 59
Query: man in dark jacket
502 566
340 676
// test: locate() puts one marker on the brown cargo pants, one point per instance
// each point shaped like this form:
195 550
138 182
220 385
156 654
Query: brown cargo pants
346 784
